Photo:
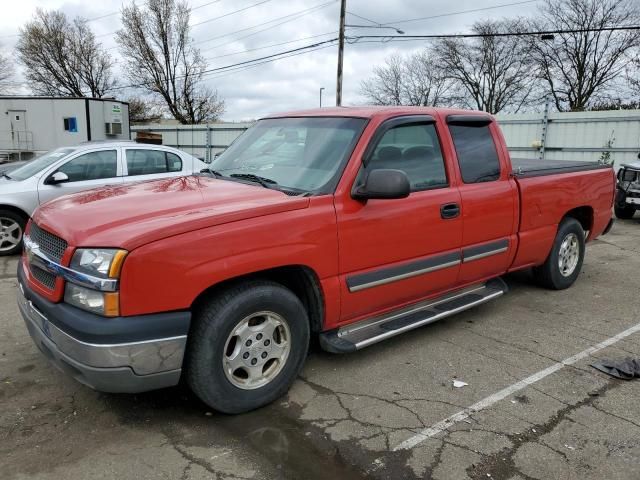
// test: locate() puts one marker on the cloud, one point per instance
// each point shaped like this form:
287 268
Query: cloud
291 83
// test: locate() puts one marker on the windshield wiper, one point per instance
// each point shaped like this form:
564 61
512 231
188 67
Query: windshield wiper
6 176
265 182
215 173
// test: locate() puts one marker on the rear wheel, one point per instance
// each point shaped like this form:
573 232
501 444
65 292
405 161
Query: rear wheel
11 230
563 265
625 212
247 346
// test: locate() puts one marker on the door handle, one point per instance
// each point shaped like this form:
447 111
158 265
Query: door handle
449 210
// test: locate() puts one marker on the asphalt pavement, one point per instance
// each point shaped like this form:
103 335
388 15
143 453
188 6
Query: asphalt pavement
532 408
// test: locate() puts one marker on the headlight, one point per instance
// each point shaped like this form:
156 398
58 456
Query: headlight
98 262
102 303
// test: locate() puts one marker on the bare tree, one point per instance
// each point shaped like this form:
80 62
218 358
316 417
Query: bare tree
412 80
160 58
491 73
633 74
62 57
580 69
6 74
143 109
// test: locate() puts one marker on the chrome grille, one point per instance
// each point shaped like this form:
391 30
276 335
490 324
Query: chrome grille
50 244
45 278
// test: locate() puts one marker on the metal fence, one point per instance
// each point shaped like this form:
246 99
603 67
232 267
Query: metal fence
202 141
586 136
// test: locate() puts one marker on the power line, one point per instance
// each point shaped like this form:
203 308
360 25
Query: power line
106 15
498 34
204 21
230 13
271 45
238 69
450 14
290 17
363 18
247 62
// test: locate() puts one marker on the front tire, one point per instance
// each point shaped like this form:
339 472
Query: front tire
247 346
11 231
564 263
625 212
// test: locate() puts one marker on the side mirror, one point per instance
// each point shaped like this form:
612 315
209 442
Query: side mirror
56 178
383 183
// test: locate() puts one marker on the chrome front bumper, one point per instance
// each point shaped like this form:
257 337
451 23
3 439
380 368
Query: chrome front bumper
120 367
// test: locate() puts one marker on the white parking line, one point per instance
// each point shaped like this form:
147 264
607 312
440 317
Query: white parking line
504 393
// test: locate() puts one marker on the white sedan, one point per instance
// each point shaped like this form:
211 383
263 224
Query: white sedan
71 169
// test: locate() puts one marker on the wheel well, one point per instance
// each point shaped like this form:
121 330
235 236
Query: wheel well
301 280
16 210
584 215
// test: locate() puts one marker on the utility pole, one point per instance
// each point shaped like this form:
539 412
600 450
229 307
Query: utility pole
343 11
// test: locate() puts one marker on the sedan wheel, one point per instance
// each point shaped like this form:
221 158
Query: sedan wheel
10 235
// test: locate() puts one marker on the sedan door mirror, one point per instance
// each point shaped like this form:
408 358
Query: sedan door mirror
56 178
383 183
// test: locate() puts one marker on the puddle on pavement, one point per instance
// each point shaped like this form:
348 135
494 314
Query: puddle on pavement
272 433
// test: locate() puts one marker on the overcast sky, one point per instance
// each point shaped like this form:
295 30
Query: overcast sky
290 83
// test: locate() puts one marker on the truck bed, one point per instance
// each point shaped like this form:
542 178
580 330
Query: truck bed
530 167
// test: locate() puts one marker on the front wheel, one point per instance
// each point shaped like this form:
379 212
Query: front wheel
11 232
625 212
563 265
247 346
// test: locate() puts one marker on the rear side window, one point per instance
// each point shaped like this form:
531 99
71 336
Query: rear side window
149 162
477 154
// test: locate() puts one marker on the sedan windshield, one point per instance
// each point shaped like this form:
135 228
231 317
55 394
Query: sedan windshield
42 162
298 154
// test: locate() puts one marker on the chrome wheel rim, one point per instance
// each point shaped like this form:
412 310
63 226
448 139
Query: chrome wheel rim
569 255
256 350
10 234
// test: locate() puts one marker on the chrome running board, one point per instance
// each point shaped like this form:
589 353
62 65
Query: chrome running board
373 330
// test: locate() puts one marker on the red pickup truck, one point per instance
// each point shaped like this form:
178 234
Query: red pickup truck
349 224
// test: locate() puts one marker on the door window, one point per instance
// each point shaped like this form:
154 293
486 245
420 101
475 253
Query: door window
92 166
414 149
148 162
477 154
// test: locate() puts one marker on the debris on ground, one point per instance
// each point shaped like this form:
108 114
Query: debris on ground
459 383
626 369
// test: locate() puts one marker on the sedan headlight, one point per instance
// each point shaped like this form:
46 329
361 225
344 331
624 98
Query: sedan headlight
98 262
102 303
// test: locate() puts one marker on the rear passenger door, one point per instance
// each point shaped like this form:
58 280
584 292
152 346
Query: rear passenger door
150 164
489 198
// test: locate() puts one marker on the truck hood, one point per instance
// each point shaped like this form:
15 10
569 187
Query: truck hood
128 216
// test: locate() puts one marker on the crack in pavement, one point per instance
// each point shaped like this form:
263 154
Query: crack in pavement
501 465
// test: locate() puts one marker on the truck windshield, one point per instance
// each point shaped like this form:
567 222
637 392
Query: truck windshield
305 154
43 161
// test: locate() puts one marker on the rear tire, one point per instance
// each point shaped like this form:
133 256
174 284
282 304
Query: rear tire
247 346
563 265
625 213
12 226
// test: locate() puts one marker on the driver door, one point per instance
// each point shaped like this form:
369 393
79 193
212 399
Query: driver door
97 168
394 252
